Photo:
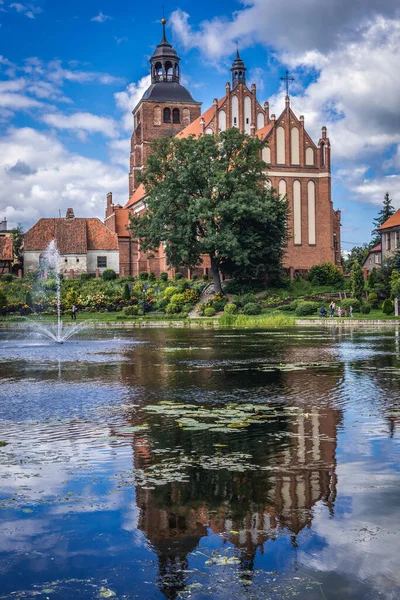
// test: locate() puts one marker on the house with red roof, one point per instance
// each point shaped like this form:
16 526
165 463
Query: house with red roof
373 260
390 235
297 166
85 245
6 248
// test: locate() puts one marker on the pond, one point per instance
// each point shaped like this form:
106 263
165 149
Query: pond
199 464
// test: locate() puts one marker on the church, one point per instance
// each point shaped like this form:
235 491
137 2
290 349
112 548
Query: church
296 166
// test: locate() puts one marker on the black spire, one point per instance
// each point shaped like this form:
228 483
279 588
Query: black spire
165 61
238 70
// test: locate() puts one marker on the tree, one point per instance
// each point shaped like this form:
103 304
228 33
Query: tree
372 279
126 294
357 281
386 211
208 196
358 253
326 274
18 239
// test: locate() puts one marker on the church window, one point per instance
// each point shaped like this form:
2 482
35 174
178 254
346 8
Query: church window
176 70
176 115
297 212
102 262
295 143
310 157
266 155
311 213
169 70
186 116
167 115
260 120
235 120
268 184
280 145
222 120
235 111
282 188
247 113
77 260
157 115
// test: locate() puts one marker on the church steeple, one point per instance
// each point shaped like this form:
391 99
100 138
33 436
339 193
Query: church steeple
238 71
165 61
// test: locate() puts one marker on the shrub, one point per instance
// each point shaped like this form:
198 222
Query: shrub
126 294
28 299
345 304
50 285
230 309
85 276
326 274
7 278
143 276
373 300
204 277
176 303
195 277
304 309
164 276
388 307
130 311
365 308
248 299
209 312
3 303
251 308
218 305
152 276
108 275
170 291
178 276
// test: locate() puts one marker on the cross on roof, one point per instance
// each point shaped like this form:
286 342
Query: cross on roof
287 80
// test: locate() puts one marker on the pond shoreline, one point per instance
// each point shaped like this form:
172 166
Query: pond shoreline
214 324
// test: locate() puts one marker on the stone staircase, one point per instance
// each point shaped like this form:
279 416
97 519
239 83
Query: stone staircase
207 293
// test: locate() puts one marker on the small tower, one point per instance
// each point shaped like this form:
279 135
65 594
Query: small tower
238 71
165 61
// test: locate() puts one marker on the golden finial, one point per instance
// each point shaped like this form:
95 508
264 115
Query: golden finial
163 21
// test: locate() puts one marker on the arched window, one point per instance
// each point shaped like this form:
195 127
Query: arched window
157 115
176 70
158 71
297 212
282 188
311 213
280 145
295 139
167 115
309 156
222 120
268 184
186 116
266 155
176 115
169 70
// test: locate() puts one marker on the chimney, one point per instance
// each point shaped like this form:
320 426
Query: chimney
253 89
3 224
70 213
266 110
202 126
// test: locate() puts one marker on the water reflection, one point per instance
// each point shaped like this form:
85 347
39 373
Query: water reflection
116 478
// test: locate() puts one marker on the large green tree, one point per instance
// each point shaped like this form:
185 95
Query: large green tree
357 281
357 253
208 196
385 212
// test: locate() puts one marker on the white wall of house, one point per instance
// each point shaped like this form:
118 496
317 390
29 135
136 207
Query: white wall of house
31 260
112 260
77 262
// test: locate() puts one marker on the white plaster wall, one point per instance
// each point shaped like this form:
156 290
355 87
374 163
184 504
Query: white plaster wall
77 262
311 212
112 260
280 145
295 143
222 120
266 155
247 114
235 111
31 261
297 212
282 187
209 131
309 156
260 120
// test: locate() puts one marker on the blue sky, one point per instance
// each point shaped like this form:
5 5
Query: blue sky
71 73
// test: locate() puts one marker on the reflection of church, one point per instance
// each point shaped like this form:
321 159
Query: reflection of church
246 508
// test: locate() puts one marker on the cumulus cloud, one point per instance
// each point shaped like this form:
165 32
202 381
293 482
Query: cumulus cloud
100 18
127 100
83 121
52 179
29 10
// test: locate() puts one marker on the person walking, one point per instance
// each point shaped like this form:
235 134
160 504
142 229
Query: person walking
351 311
332 309
339 312
74 310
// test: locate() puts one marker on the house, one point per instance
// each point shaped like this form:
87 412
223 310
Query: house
6 248
84 244
373 260
297 166
390 235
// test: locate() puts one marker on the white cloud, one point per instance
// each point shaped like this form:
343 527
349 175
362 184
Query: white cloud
83 122
127 100
55 179
29 10
100 18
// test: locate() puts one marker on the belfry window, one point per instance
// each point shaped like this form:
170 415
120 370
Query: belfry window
158 71
169 71
176 117
167 115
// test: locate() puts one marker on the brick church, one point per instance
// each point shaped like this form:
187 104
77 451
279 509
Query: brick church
297 166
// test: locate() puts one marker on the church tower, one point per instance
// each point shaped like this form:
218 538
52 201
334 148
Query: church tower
166 108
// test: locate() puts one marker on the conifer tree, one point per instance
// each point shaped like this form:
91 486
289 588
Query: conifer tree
208 196
386 211
357 281
126 294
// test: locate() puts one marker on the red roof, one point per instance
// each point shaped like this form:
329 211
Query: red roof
73 236
137 195
122 221
393 221
264 131
194 128
377 248
6 247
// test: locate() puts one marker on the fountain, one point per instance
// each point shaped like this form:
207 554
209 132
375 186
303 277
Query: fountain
56 332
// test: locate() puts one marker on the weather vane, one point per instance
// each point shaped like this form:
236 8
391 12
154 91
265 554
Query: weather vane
287 80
